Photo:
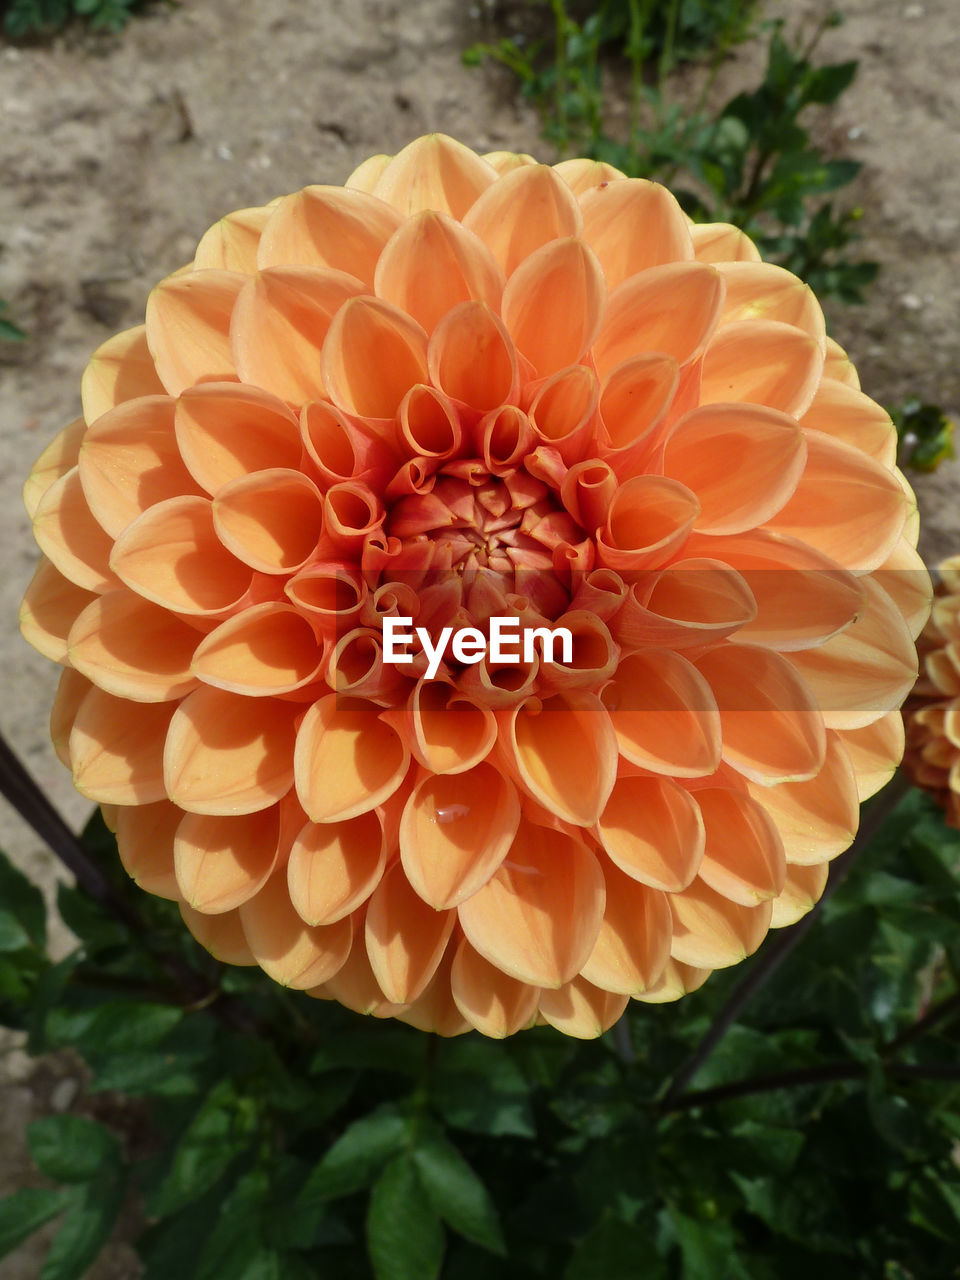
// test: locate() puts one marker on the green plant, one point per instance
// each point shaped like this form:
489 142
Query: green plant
925 434
751 163
41 17
811 1120
9 332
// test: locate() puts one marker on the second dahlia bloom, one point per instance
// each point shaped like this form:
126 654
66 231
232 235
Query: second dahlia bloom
464 387
932 758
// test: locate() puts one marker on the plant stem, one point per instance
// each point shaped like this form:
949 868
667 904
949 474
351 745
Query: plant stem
936 1014
774 955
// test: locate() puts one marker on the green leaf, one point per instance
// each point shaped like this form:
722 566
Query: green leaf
614 1249
26 1211
356 1157
235 1240
85 1231
457 1193
23 901
72 1148
117 1026
225 1125
825 84
405 1237
13 936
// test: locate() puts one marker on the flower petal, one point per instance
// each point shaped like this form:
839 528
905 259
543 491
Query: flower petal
116 749
770 452
762 362
582 175
582 1010
59 457
711 932
770 719
328 227
225 431
289 951
334 867
72 688
553 304
449 733
228 755
50 606
347 760
455 831
405 937
763 291
68 535
188 327
564 752
145 835
817 819
268 649
372 355
231 244
522 212
222 861
493 1003
271 520
436 1010
743 859
652 830
538 918
650 520
120 369
659 230
676 980
903 576
172 556
434 172
802 891
721 242
355 986
847 414
132 649
874 751
472 359
222 936
633 945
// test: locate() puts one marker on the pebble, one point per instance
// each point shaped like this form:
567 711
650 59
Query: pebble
63 1094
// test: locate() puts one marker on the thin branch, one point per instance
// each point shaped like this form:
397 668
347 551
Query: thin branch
825 1073
787 940
940 1012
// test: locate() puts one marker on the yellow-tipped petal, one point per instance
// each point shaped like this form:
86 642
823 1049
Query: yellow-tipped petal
328 227
471 357
506 161
874 751
372 355
172 556
770 719
434 172
652 830
271 520
405 937
68 535
225 431
660 232
72 688
347 760
221 862
493 1003
522 212
231 244
145 835
553 304
762 362
132 649
334 867
845 413
711 932
116 749
633 945
355 986
818 818
538 918
672 309
59 457
771 452
50 607
565 754
802 890
120 369
743 859
845 505
455 832
582 1010
582 175
289 951
188 327
839 365
129 461
431 264
721 242
222 936
664 715
762 291
676 980
904 577
279 323
229 755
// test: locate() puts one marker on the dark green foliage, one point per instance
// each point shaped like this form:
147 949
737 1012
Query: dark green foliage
42 17
925 433
9 332
751 163
820 1135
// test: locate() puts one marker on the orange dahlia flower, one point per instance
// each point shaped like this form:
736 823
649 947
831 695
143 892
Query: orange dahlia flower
464 387
932 758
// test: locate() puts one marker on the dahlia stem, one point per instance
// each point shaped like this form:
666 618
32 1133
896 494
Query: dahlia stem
25 796
825 1073
774 955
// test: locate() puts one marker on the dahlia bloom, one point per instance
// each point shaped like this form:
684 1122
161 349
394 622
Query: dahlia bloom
462 387
932 759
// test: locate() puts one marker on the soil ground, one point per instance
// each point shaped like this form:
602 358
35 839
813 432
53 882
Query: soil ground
118 152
